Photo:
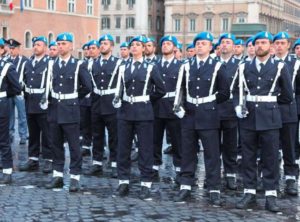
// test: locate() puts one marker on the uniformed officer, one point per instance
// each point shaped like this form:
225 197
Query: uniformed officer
9 86
178 51
217 49
296 48
70 81
289 116
264 83
239 49
137 80
124 51
190 50
53 50
250 49
20 62
229 123
168 67
34 80
85 49
104 72
204 84
150 49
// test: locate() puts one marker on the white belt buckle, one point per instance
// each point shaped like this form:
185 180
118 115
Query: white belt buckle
131 99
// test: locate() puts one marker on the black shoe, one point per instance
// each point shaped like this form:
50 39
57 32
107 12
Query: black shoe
271 204
248 200
56 182
47 167
85 152
30 165
215 199
123 190
231 183
114 172
168 150
183 195
144 193
74 185
155 175
95 170
204 184
6 179
22 141
134 156
291 187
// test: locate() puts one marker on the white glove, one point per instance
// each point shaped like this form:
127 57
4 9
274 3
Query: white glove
44 106
180 113
117 103
239 113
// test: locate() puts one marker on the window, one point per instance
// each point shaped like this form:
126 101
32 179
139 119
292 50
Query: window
118 39
241 20
225 24
28 42
150 22
128 38
130 3
192 25
158 23
118 5
89 7
130 22
71 5
177 25
28 3
50 37
105 4
208 24
4 32
118 22
51 5
105 24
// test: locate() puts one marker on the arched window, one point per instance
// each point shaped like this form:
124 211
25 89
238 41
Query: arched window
28 41
50 37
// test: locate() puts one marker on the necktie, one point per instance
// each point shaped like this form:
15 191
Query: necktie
34 63
261 66
136 66
148 60
63 64
201 63
166 63
104 61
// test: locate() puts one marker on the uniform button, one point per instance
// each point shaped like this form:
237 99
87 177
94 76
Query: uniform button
102 80
59 100
31 79
197 97
102 73
133 80
198 78
132 87
164 74
256 105
61 77
59 92
164 82
32 71
30 86
258 87
60 84
259 78
197 105
101 87
197 87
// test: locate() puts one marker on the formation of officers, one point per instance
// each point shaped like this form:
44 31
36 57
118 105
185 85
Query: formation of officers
242 108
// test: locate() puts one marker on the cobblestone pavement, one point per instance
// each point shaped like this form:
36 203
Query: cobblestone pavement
27 199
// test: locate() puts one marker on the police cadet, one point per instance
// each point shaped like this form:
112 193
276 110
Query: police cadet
9 86
263 84
289 115
239 49
229 123
168 67
69 81
190 50
104 72
203 83
53 50
124 51
135 94
150 48
85 49
250 49
20 62
178 51
296 48
35 81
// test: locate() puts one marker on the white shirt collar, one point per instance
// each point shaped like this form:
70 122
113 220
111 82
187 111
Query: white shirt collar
199 60
141 60
167 60
150 57
258 62
223 60
66 60
283 58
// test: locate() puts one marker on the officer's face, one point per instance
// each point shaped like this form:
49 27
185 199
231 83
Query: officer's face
15 51
250 50
238 50
105 47
137 48
297 51
64 47
262 47
93 51
53 51
178 53
226 46
190 53
86 52
2 51
124 52
167 48
281 46
218 51
39 48
203 47
149 48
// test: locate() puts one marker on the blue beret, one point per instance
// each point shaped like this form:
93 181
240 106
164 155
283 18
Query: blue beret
13 43
65 36
106 37
190 46
138 38
93 42
86 45
179 45
216 44
227 36
124 45
262 35
250 39
149 40
53 43
2 42
281 35
40 38
168 38
297 42
203 36
239 42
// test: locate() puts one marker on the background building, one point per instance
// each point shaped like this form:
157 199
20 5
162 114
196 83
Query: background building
49 18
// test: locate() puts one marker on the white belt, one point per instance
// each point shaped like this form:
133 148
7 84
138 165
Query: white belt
34 91
3 94
64 96
136 99
201 100
261 98
104 92
169 95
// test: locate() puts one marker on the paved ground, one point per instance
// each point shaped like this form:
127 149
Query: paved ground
28 200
